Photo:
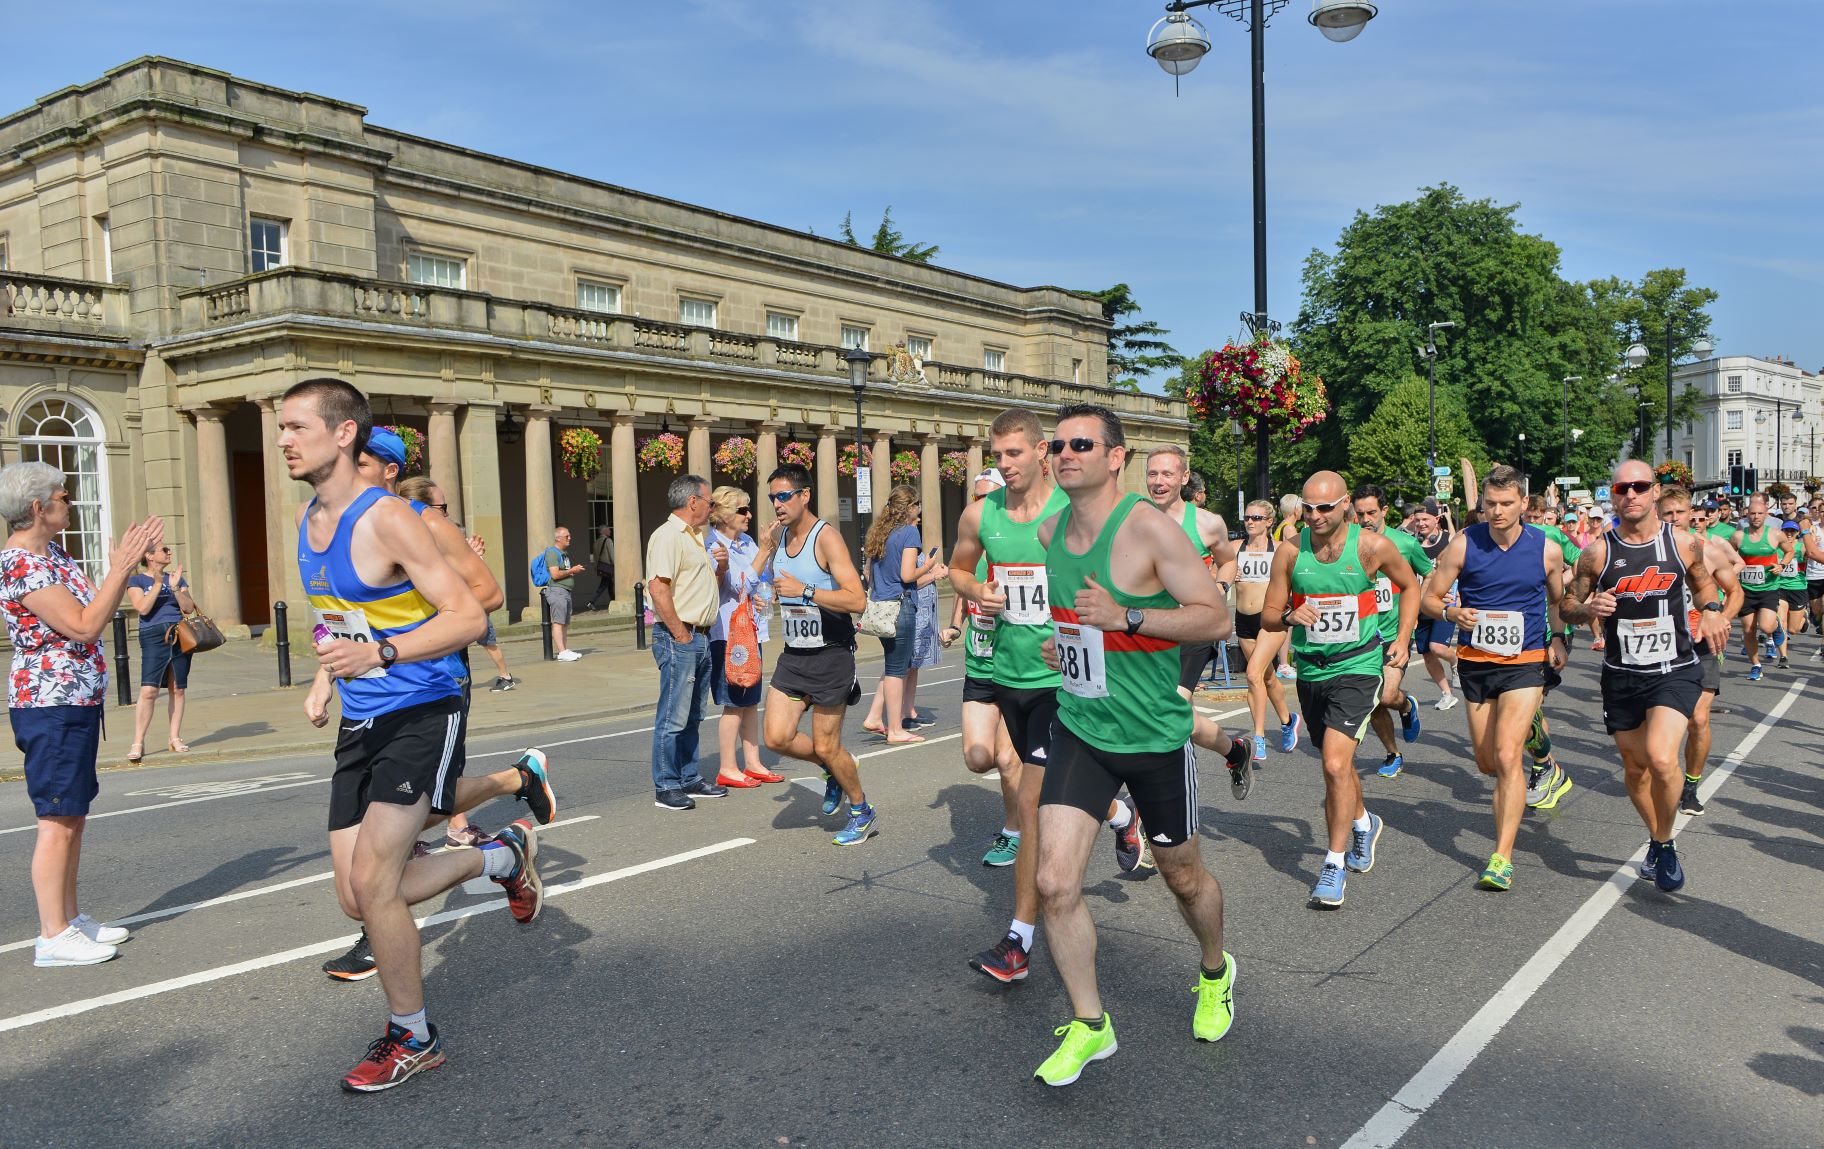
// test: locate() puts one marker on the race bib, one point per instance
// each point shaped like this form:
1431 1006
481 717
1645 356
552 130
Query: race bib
979 634
1499 632
803 625
1081 660
1791 569
1383 595
1645 641
349 624
1754 576
1253 566
1339 620
1028 594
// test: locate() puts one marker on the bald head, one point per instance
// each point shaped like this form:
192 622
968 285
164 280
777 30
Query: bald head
1325 487
1326 509
1634 471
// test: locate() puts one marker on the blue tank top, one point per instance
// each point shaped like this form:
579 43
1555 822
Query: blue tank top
342 606
838 627
1496 580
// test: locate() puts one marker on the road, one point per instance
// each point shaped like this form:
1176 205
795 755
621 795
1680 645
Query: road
728 977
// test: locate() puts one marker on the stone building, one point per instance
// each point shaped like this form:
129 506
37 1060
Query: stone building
178 246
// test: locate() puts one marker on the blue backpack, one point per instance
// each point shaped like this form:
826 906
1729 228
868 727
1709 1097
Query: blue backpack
541 570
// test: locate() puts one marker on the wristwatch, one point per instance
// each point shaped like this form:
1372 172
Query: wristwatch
810 594
1134 618
1717 606
389 654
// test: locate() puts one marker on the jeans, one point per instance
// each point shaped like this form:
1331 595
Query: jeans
683 691
898 649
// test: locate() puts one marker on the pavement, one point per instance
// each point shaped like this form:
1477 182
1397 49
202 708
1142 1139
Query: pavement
728 977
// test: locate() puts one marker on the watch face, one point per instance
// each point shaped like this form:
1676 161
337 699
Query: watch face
388 652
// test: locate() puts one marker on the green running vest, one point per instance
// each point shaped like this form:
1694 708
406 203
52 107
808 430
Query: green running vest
1016 563
1346 639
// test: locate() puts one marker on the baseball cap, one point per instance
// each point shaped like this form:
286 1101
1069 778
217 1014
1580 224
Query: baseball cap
1429 506
991 475
1789 525
386 446
1710 505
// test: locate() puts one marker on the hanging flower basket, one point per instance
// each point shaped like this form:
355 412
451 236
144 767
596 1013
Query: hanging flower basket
1778 491
414 447
658 451
1260 380
737 458
798 454
904 467
845 461
954 467
1672 472
1813 484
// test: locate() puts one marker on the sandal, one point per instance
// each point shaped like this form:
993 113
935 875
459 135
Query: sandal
179 746
137 752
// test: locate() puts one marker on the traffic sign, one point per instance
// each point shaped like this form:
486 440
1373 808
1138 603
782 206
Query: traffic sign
1440 472
1441 485
864 490
1602 494
1568 480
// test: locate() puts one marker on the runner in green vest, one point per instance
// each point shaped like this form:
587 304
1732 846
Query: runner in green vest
1794 599
1323 592
1723 563
1762 548
1371 514
1546 781
1128 589
1003 529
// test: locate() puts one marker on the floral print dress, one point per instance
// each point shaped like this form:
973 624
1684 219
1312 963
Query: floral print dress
49 668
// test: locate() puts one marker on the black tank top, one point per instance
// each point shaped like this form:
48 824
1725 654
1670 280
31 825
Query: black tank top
1649 633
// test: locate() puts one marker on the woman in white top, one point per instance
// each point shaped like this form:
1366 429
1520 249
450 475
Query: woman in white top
731 515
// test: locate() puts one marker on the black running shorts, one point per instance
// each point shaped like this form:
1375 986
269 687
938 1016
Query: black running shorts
1814 588
978 689
1163 785
1763 598
1796 598
1626 697
1713 673
1484 681
1028 714
398 757
1247 626
1342 704
819 677
1193 657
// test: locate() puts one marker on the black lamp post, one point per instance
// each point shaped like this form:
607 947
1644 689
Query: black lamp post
1565 386
858 360
1430 354
1178 43
1241 495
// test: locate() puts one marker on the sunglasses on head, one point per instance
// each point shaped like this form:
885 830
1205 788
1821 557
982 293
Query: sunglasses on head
1638 487
783 497
1078 446
1324 508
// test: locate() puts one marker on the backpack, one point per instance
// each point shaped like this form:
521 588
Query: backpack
541 570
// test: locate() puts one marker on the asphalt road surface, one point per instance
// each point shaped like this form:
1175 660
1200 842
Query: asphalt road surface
728 977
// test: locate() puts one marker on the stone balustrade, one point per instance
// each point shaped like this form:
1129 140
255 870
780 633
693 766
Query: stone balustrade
53 305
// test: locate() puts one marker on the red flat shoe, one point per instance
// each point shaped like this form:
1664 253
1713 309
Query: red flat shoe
741 783
764 776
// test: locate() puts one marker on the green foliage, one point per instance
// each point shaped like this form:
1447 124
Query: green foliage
1134 348
887 239
1391 447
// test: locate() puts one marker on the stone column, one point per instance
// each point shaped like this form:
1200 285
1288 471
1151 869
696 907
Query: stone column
284 496
883 468
541 491
478 468
445 463
829 506
696 449
217 586
930 494
975 468
766 448
624 491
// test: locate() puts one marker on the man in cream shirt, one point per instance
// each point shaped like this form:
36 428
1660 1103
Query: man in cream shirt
681 581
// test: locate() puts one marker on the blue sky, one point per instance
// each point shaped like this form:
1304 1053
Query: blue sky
1036 142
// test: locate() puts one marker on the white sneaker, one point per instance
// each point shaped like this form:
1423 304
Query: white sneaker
1446 701
568 656
96 932
71 948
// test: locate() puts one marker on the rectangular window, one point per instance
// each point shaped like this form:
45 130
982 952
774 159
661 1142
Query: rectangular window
697 312
919 348
1735 384
1688 460
1732 421
1735 458
994 360
854 338
781 326
266 240
3 264
1076 372
603 297
437 270
107 250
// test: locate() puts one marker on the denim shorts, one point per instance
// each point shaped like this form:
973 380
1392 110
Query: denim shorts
59 744
898 649
158 657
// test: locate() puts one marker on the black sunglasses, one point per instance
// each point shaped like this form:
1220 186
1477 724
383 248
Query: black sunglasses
1638 487
1255 519
1079 446
744 510
441 508
1325 508
785 496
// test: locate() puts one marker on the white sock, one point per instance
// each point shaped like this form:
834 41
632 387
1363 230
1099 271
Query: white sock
1024 931
1362 823
1333 858
497 861
421 1029
1122 816
1014 834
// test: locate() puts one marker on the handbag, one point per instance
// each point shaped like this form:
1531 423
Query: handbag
741 662
881 618
195 634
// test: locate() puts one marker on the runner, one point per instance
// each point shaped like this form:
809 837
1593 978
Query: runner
1003 528
1127 590
1814 574
1433 637
1509 580
1253 570
1371 513
1794 596
1323 592
986 745
1764 551
819 592
1546 782
1167 470
1635 579
389 616
1675 507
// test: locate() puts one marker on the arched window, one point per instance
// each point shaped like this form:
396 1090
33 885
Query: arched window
62 431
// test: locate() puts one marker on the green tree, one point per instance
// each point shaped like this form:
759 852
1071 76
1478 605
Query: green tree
1629 311
887 239
1391 447
1135 347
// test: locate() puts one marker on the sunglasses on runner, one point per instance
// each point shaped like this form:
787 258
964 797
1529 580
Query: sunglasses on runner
1638 487
1077 446
783 497
1324 508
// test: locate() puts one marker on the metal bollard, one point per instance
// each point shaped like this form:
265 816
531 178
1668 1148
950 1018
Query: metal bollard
284 642
544 626
639 616
123 662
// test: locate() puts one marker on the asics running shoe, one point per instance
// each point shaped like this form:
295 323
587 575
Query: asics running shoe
1005 962
535 786
1081 1046
1128 840
1288 734
393 1058
1215 1011
524 889
1497 875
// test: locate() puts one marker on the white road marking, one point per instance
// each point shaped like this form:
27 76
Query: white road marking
258 891
1394 1119
815 783
204 977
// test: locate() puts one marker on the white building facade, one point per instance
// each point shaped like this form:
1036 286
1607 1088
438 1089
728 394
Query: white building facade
1763 413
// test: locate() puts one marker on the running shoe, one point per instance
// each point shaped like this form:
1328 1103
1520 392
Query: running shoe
392 1059
1497 875
1784 665
1670 875
1260 748
860 827
1005 849
1241 780
1328 893
501 684
96 932
1215 1011
1409 721
525 891
568 656
1288 734
1600 644
1392 765
1538 742
1754 673
832 793
356 965
1287 674
1557 785
1128 841
1649 869
70 948
1446 701
1360 856
1147 865
1005 962
1081 1046
535 786
465 838
1689 802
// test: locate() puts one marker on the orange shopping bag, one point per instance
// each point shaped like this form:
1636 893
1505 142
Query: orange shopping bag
741 665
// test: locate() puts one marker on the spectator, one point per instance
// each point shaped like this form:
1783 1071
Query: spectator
681 575
1196 490
925 646
162 598
55 618
1291 518
731 516
892 550
601 553
558 591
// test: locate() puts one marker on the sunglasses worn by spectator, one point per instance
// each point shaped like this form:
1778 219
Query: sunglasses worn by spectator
783 497
441 508
1255 519
744 510
1638 487
1325 508
1077 446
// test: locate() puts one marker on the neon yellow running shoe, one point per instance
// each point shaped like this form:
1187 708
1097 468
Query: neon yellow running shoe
1215 1011
1556 787
1497 875
1081 1046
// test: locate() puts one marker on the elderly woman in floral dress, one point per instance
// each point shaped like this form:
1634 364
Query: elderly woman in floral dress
55 618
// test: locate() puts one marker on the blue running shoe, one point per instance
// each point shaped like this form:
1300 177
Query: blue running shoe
1288 735
1669 875
860 827
1391 767
832 793
1260 748
1409 721
1328 893
1649 869
1360 857
1754 673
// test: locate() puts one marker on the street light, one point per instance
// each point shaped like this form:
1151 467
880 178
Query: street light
1565 425
858 360
1760 418
1430 354
1522 453
1241 497
1178 43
